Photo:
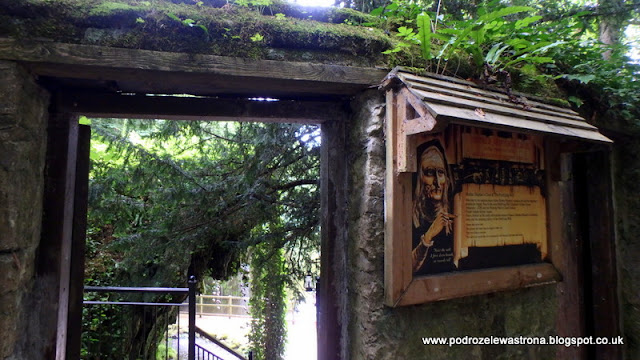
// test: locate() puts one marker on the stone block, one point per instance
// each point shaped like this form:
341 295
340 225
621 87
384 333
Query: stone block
16 270
9 272
23 132
9 315
8 230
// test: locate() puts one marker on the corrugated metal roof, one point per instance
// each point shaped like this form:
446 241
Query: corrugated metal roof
466 103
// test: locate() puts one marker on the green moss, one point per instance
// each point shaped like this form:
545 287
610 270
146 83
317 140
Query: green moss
221 31
110 7
224 29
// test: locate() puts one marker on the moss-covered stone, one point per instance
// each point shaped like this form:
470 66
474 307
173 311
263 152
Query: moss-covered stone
184 27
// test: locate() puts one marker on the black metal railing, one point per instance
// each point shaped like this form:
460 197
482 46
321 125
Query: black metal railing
146 311
204 354
217 342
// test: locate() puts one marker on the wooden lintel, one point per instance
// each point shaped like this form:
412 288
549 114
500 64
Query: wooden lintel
195 108
134 70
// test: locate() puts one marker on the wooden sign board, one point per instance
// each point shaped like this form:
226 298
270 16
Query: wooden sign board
465 212
477 201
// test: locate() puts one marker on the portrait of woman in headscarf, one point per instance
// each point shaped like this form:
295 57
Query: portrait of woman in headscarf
432 230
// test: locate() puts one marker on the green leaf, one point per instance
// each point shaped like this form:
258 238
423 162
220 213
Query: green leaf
526 21
584 78
476 53
377 11
494 53
478 35
404 31
510 10
440 37
518 43
188 22
576 100
139 20
583 13
174 17
493 25
257 37
424 35
548 46
204 28
529 59
540 59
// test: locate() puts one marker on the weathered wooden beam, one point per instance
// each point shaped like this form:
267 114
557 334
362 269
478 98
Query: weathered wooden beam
605 311
194 108
332 288
54 253
148 71
76 279
565 250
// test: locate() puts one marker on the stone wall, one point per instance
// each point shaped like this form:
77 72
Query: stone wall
626 162
379 332
23 119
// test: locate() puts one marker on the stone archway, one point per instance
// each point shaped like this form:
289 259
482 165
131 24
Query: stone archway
89 80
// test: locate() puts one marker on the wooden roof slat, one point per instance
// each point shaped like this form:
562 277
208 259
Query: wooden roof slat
472 104
500 101
465 103
470 117
467 86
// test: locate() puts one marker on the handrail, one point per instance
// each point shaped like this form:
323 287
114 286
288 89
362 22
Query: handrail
206 335
190 292
136 289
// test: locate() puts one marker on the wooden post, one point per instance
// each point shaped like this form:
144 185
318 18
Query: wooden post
54 254
565 250
331 292
604 313
74 329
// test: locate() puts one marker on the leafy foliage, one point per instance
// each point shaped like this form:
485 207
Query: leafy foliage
538 43
267 304
170 199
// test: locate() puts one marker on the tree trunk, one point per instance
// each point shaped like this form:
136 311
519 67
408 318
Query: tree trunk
612 21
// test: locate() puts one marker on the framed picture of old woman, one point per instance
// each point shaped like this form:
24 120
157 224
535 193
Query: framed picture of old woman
466 205
478 201
479 194
473 213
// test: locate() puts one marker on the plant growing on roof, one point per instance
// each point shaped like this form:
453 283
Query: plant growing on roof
492 40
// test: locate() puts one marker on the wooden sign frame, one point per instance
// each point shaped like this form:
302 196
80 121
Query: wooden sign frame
407 117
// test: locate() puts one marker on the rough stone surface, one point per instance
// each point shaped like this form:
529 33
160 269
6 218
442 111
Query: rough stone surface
23 114
626 162
379 332
8 322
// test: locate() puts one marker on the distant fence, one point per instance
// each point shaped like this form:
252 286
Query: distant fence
230 306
